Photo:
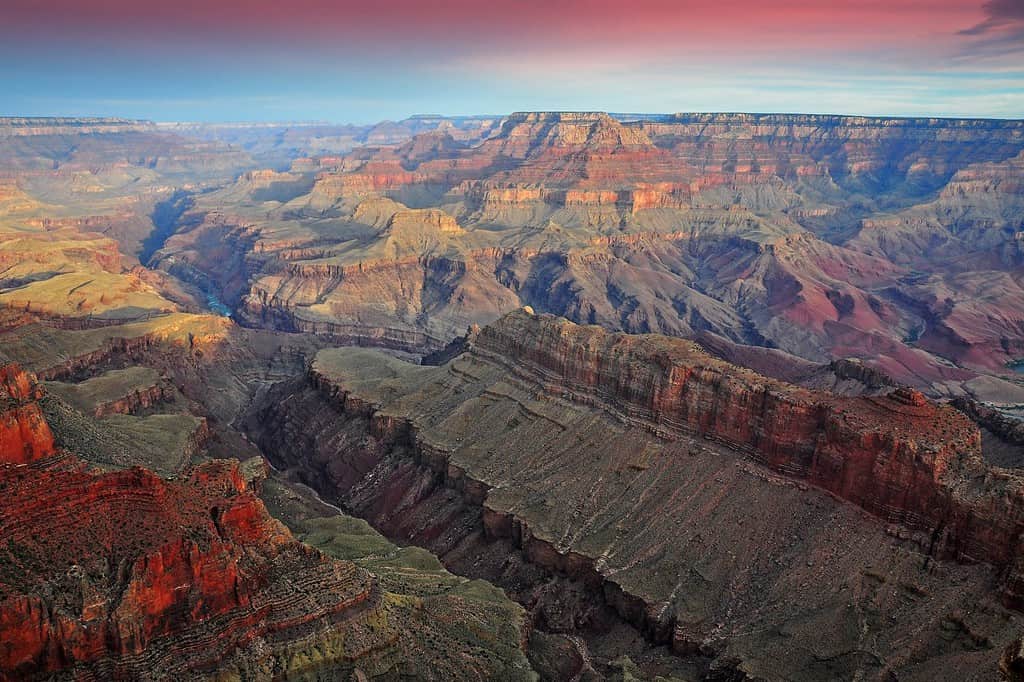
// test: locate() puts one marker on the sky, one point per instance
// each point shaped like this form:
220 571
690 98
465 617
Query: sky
276 60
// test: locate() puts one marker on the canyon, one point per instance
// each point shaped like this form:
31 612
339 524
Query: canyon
111 571
825 237
731 518
552 395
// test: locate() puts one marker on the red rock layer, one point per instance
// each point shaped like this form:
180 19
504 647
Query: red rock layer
901 457
139 399
25 436
117 574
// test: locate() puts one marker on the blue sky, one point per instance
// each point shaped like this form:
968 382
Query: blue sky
348 62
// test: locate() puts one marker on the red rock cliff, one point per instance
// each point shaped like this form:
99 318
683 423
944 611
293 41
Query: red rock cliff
24 434
116 574
901 457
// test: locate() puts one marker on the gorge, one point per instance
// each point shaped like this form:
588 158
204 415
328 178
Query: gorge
549 396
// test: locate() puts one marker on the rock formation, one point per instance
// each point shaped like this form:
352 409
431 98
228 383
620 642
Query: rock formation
754 228
694 500
124 574
25 436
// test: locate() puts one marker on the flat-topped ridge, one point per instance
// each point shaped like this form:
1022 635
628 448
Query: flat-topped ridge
841 120
901 457
12 126
652 369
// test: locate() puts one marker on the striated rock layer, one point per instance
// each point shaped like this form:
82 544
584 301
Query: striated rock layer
126 575
826 237
597 475
901 457
187 572
24 434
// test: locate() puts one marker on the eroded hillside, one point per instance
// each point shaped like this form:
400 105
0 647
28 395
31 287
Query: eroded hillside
617 483
894 241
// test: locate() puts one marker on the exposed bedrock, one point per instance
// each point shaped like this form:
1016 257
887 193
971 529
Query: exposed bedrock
890 455
25 436
212 252
126 575
597 476
186 577
374 467
827 237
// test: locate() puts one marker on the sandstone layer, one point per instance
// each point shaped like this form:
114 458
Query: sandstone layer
25 437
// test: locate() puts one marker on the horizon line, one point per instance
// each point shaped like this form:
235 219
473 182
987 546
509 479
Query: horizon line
98 118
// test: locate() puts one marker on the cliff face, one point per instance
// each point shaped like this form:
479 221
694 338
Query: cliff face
851 149
826 237
637 478
123 574
11 126
155 575
25 436
900 456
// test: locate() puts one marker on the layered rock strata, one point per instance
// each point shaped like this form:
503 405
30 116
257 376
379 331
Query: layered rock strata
888 454
645 473
826 237
127 575
25 437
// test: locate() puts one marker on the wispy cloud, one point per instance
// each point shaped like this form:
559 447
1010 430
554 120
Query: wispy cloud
1001 33
1001 14
364 61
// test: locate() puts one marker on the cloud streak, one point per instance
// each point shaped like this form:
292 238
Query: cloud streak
347 61
999 35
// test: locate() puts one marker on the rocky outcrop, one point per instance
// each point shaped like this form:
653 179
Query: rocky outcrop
431 219
901 457
635 476
858 371
25 437
187 334
124 391
124 574
1007 428
138 399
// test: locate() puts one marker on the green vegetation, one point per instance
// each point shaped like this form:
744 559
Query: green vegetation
437 613
161 442
114 385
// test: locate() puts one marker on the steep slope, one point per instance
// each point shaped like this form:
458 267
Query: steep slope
25 437
755 527
124 575
200 572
